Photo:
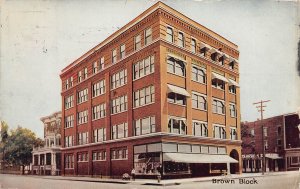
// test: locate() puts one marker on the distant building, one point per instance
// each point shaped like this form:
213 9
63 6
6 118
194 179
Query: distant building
160 95
46 160
281 143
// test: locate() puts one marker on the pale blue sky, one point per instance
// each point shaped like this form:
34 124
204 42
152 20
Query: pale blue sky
40 38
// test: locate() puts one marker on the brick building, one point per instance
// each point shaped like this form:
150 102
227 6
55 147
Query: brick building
46 160
160 95
281 142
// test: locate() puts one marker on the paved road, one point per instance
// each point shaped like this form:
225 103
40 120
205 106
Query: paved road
286 181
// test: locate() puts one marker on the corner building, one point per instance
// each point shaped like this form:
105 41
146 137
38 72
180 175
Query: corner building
160 95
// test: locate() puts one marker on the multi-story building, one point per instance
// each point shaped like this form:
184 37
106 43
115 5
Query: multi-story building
161 94
46 160
281 142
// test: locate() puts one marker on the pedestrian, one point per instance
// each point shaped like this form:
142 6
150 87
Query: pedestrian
133 174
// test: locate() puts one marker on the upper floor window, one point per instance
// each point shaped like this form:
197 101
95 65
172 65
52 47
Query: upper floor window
218 81
232 89
233 133
119 79
82 96
69 121
69 161
265 131
144 96
83 138
100 135
137 42
119 104
144 126
122 51
170 34
119 131
85 73
232 110
69 141
101 66
79 76
71 82
218 107
148 36
219 132
180 39
82 117
266 145
177 125
200 128
176 98
199 101
193 45
114 56
176 66
69 102
95 67
67 84
99 88
98 111
198 74
143 67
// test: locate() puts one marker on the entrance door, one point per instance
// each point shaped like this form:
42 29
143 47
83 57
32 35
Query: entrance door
234 167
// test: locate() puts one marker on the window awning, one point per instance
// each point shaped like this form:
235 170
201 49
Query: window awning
232 82
198 158
218 76
178 90
177 58
203 45
216 51
233 60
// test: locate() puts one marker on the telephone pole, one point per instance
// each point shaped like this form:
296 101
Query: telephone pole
261 107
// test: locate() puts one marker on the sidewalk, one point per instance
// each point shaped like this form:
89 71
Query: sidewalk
165 182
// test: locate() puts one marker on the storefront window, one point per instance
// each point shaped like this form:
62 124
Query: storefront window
172 167
147 163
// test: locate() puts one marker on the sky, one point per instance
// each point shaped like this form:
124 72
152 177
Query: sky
39 38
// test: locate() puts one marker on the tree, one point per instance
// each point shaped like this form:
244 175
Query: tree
19 146
3 139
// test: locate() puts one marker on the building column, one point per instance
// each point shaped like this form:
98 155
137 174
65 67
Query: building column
228 168
32 159
45 158
39 159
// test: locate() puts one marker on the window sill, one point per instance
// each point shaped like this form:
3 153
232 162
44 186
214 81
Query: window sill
199 82
81 102
143 75
69 108
78 124
118 87
83 161
176 74
118 113
232 93
219 113
218 88
98 118
177 104
98 95
199 109
69 127
69 168
99 160
119 159
143 105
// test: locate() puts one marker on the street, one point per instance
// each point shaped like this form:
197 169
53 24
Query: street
286 180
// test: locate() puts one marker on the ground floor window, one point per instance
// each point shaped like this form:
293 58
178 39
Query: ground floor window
147 163
173 167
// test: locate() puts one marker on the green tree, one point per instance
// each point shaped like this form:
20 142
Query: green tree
19 146
3 138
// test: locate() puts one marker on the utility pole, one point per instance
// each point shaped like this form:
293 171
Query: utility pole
261 107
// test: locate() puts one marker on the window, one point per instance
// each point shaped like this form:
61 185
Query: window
266 145
82 96
99 88
233 133
85 73
198 74
114 56
98 111
100 135
279 130
180 39
119 131
82 117
170 35
218 107
143 67
232 110
219 132
119 104
83 138
83 157
101 67
144 96
69 121
148 36
265 129
71 82
69 141
199 101
176 98
67 84
219 84
144 126
137 42
69 161
279 142
99 156
79 76
176 66
252 132
119 79
232 89
177 126
95 67
200 128
122 51
69 102
118 154
193 45
231 65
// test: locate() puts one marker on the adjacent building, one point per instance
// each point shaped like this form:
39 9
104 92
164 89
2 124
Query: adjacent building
281 142
160 95
46 160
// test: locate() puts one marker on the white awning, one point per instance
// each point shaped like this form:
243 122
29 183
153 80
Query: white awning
232 82
215 51
233 60
177 58
198 158
178 90
203 45
218 76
